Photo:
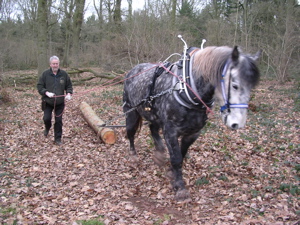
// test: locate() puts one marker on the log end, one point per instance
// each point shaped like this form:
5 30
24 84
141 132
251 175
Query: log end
108 136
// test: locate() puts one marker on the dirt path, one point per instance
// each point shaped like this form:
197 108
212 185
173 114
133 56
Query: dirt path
249 176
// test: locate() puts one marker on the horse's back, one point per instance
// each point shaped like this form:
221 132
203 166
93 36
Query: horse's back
137 82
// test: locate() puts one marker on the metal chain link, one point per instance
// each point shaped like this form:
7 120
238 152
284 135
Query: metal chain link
134 108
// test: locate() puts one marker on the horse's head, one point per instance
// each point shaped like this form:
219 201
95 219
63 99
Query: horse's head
239 76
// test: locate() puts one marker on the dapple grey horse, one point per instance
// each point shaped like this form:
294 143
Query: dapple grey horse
176 100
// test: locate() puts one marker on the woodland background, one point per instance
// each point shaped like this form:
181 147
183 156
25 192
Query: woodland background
250 176
116 36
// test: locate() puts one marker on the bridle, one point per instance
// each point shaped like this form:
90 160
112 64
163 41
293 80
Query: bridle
227 105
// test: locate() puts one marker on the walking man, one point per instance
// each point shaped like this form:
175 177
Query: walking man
53 84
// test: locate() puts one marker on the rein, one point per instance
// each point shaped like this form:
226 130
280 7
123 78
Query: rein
227 106
55 106
189 87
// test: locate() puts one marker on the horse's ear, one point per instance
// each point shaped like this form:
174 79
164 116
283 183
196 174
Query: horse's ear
235 54
256 56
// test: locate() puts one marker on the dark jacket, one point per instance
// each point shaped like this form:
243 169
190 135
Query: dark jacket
57 84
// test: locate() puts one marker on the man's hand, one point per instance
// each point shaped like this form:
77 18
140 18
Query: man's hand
68 97
49 94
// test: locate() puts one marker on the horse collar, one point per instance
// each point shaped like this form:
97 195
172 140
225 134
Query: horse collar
184 84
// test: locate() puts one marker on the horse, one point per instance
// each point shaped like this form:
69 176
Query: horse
176 101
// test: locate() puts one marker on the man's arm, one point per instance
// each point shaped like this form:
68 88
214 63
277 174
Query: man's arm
41 85
69 86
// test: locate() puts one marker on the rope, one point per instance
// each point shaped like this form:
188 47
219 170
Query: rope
111 83
54 109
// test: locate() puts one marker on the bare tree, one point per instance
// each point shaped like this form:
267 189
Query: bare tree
77 24
288 41
7 7
99 10
117 12
173 12
129 9
42 35
68 7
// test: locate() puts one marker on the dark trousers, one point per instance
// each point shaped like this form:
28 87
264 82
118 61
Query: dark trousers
58 111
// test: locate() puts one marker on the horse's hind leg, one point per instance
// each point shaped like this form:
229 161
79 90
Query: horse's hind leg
133 123
159 156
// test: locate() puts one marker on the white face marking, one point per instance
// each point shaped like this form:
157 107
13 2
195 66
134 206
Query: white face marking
236 93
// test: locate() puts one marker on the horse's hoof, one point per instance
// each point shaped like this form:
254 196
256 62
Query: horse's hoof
159 158
134 159
170 174
183 196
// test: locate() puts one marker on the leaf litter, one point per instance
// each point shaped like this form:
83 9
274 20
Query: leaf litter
249 176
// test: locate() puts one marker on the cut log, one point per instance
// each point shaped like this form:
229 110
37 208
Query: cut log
96 74
107 135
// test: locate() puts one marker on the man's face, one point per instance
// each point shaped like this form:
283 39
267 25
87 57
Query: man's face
54 65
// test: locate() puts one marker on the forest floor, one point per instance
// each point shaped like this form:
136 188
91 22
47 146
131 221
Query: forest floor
249 176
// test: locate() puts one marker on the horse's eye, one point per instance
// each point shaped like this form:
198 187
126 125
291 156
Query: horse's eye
235 87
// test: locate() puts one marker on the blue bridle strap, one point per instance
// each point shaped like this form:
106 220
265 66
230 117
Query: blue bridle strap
242 106
227 104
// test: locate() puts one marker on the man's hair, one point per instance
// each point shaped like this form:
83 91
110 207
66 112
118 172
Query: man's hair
53 58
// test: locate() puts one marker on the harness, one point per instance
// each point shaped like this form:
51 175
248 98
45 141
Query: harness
150 95
184 88
182 93
181 84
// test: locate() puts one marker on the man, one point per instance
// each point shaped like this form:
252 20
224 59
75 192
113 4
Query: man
52 85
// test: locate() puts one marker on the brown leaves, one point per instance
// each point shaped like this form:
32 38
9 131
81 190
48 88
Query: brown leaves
233 177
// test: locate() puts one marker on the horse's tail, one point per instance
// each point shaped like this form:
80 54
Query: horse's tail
139 125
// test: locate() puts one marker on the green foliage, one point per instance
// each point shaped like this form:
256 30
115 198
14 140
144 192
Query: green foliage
201 181
223 178
297 103
290 188
9 212
297 168
90 222
162 220
150 142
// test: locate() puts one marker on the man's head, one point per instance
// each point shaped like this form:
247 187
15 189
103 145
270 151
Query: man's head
54 63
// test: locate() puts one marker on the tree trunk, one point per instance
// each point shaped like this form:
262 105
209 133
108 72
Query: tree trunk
99 10
42 19
107 135
173 12
117 13
129 9
68 8
287 46
77 24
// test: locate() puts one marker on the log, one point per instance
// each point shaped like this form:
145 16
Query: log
107 135
96 74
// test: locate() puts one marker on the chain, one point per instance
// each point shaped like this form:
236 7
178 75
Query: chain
135 107
162 93
117 117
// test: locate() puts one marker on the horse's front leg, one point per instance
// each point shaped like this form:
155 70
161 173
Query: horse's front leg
159 154
187 141
182 194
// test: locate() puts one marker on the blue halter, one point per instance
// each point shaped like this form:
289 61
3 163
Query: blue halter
227 106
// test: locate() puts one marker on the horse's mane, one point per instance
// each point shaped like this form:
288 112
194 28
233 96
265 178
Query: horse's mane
210 61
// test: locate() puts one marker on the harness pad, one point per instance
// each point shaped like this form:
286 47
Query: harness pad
183 93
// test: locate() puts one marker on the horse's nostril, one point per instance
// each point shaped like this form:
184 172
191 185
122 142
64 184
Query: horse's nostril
234 126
